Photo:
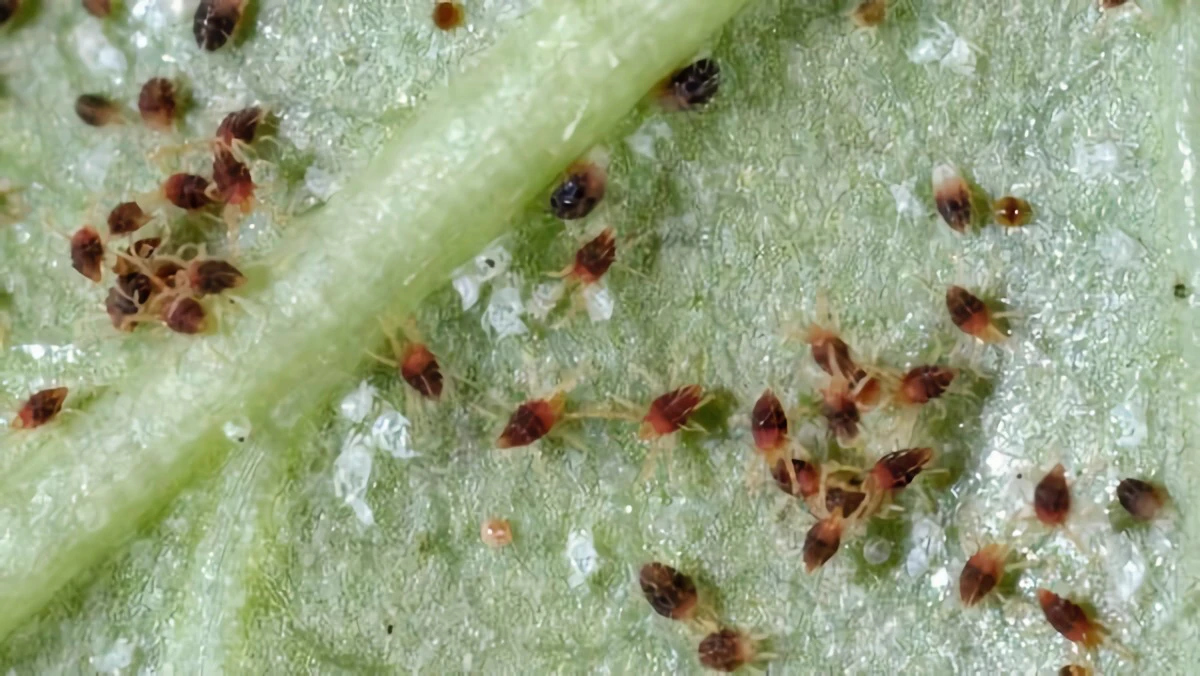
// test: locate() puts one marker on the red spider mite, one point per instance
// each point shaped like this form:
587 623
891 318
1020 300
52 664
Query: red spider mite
769 424
187 191
822 542
121 309
727 650
158 103
1143 500
1075 670
98 8
840 410
240 126
232 179
8 9
971 315
136 286
693 86
448 15
982 572
212 276
843 501
1052 497
185 315
216 21
898 469
87 253
870 13
531 421
671 411
167 272
580 191
40 409
669 592
125 218
924 384
594 258
96 110
952 196
1070 620
419 368
829 351
804 481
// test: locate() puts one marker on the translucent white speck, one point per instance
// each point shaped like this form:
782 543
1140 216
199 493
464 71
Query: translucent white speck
391 432
237 430
934 45
906 202
320 183
493 262
118 657
96 53
960 59
599 302
582 555
876 551
940 579
351 476
1126 568
357 405
467 286
1095 161
503 314
927 541
1130 421
643 140
545 298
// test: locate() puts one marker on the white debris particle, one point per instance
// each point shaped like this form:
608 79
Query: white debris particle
545 298
906 202
599 302
357 405
351 477
1126 568
582 555
95 51
118 657
940 579
927 541
237 429
1095 161
1130 421
390 433
503 314
940 44
960 58
642 141
876 551
320 183
493 262
467 286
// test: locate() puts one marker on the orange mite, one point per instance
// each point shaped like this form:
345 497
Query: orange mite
125 218
840 410
98 8
981 574
212 276
531 421
185 315
807 481
870 13
1052 497
1070 620
580 191
1143 500
924 384
87 253
669 592
727 650
419 368
1012 212
971 315
40 409
898 469
671 411
215 21
187 191
448 15
594 258
158 103
96 110
822 542
240 126
232 179
769 424
953 197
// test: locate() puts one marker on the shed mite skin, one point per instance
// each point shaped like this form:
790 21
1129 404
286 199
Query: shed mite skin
953 197
216 21
1141 499
1012 212
691 87
87 253
982 572
158 103
669 592
581 189
869 13
496 533
97 111
1070 620
727 650
40 408
972 316
448 15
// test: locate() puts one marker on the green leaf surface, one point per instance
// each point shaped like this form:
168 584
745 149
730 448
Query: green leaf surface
807 178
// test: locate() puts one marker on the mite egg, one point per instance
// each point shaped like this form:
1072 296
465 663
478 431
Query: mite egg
87 253
669 592
98 8
822 542
125 218
579 192
769 424
952 196
158 103
496 533
669 412
971 315
531 421
1012 212
1069 619
924 384
726 650
448 15
804 481
187 191
898 469
1052 497
694 86
1143 500
185 315
40 409
96 110
595 257
869 13
212 276
215 21
982 572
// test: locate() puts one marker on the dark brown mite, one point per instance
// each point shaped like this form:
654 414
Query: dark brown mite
1143 500
213 276
40 409
166 273
1052 497
726 650
125 218
136 286
580 191
216 21
87 253
419 368
233 180
822 542
98 8
953 197
669 592
924 384
96 110
8 9
448 15
769 424
158 103
982 572
187 191
898 469
1012 212
240 126
595 257
1070 620
870 13
1075 670
531 421
121 310
693 86
842 501
671 411
807 482
840 410
830 352
971 315
185 315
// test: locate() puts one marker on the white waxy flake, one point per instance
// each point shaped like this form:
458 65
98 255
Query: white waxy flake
391 433
1126 567
320 183
927 542
599 302
493 262
467 285
545 298
503 314
237 429
352 476
359 403
907 203
118 657
877 551
581 552
961 58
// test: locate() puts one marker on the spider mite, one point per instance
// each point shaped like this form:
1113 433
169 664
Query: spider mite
898 469
215 21
593 259
869 13
8 9
416 364
40 409
982 572
1052 497
1143 500
140 252
580 191
232 179
1012 212
531 421
693 86
125 218
803 481
843 501
158 103
187 191
727 650
98 8
185 315
87 253
1075 670
136 286
213 276
952 196
822 542
924 384
1110 4
669 592
670 412
96 110
447 15
240 127
121 309
1070 620
769 424
829 351
840 410
972 316
496 533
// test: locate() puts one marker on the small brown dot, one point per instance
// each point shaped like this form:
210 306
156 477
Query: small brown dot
1181 291
870 13
496 533
448 15
1012 212
98 8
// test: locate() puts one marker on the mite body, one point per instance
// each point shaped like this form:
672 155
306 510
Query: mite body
898 469
671 411
869 13
213 276
125 218
727 650
8 9
1052 497
1012 212
1070 620
769 424
924 384
1075 670
693 86
669 592
1143 500
953 197
496 533
87 253
98 8
448 15
121 309
803 481
972 316
822 542
580 191
185 315
982 572
158 103
96 110
240 126
216 21
830 352
40 409
840 410
232 180
594 258
187 191
531 421
419 368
